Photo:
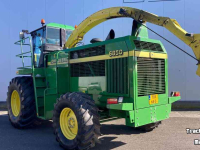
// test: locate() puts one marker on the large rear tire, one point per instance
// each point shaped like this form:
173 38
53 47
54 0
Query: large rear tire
76 121
21 102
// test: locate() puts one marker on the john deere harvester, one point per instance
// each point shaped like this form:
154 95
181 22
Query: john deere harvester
77 86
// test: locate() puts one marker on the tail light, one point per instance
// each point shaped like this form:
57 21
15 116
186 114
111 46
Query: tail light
174 94
112 101
115 100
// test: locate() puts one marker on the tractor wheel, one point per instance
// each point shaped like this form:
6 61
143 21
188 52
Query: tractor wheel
149 127
21 102
76 121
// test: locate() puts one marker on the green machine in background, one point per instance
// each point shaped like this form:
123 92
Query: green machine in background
79 86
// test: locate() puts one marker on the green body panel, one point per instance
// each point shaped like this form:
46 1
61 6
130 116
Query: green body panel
63 80
122 106
173 99
142 102
117 113
120 80
143 32
151 114
24 71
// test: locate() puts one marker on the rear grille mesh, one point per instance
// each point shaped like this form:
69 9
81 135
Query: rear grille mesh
94 68
148 46
117 75
150 76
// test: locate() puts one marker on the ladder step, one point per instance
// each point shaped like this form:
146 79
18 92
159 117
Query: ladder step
24 56
26 67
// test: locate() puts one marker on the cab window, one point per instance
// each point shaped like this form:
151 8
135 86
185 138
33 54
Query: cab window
68 33
53 36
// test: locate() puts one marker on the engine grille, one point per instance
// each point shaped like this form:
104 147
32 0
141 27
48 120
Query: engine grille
150 76
88 52
117 75
148 46
94 68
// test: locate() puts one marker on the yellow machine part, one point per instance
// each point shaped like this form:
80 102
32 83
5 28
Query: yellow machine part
68 123
15 103
139 15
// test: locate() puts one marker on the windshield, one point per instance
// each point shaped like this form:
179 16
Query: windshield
68 33
53 36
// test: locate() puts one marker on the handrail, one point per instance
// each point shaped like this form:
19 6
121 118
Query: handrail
23 54
22 40
21 43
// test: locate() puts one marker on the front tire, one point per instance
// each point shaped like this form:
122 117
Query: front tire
76 121
21 102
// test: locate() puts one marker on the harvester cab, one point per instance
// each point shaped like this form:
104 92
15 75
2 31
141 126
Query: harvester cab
48 38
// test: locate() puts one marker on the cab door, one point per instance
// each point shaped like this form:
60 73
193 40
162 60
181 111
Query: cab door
38 40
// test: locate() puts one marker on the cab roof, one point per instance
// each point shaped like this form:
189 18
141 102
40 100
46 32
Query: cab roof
56 25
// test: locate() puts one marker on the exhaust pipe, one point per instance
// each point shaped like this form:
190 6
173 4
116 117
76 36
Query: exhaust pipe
111 35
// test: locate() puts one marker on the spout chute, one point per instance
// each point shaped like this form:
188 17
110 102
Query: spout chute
139 15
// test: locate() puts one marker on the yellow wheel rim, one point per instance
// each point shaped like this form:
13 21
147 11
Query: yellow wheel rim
68 123
15 103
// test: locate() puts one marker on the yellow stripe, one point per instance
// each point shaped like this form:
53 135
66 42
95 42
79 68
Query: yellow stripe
125 54
49 63
150 55
96 58
141 54
158 55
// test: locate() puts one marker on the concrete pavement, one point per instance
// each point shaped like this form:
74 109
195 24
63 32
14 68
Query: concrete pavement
171 134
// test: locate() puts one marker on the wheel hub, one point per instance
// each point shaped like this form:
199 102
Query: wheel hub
71 122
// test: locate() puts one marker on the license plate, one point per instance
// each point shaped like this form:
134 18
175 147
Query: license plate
153 99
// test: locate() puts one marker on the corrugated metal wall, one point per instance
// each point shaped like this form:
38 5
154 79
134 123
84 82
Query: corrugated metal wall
23 14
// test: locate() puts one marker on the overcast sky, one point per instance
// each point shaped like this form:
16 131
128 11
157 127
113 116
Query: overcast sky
24 14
